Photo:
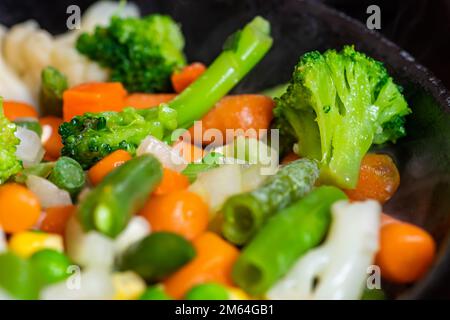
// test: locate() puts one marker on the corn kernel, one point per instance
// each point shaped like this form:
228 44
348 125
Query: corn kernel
237 294
128 285
26 243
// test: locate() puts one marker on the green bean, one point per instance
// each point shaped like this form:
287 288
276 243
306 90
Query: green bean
110 205
284 239
245 213
157 255
67 174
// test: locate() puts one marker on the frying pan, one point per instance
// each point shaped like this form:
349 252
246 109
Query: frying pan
423 157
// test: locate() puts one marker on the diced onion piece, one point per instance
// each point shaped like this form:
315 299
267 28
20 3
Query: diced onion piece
340 265
252 177
90 284
137 228
247 150
29 150
49 194
221 183
88 249
198 188
168 157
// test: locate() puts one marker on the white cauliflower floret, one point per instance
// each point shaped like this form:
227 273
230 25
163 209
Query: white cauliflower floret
27 49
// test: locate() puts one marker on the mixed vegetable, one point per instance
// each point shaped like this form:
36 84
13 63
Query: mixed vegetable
110 186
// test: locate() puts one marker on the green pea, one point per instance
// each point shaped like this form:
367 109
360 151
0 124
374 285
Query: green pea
50 265
68 175
17 277
155 292
208 291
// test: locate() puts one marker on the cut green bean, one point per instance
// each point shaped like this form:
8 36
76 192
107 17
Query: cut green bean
284 239
245 213
109 207
68 175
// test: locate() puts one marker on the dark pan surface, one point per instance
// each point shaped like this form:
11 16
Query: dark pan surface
423 156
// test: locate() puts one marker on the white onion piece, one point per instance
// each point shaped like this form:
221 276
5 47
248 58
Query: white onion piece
49 194
252 177
137 228
30 149
221 183
92 284
168 156
339 265
88 249
3 244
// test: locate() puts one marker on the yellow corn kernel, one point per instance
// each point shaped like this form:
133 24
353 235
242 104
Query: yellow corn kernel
26 243
237 294
128 285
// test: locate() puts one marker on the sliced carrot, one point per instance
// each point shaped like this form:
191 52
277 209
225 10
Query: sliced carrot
93 97
19 208
213 263
183 78
291 156
101 169
14 110
171 181
52 139
378 179
182 212
147 100
250 112
55 219
406 252
190 152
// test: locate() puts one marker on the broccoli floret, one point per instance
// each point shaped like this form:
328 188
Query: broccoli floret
337 105
140 52
90 137
9 164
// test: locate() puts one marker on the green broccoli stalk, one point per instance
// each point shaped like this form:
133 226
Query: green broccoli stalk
9 164
336 106
90 137
141 53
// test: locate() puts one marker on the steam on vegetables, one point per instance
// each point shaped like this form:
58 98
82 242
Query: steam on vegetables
106 175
